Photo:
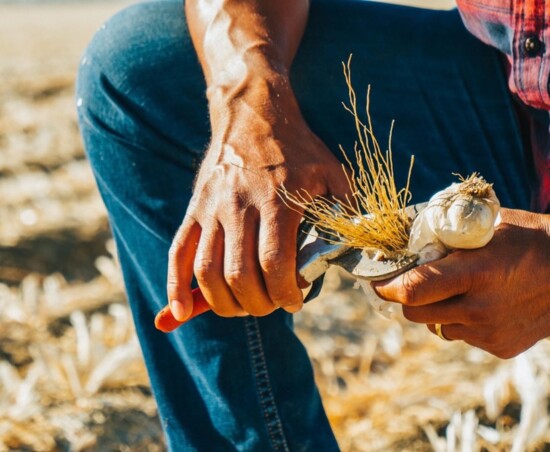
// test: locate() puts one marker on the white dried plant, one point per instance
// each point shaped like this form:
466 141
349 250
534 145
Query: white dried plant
97 351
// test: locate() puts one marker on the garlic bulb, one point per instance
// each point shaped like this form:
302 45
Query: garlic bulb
464 216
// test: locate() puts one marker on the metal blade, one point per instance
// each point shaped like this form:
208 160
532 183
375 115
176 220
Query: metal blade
363 264
315 290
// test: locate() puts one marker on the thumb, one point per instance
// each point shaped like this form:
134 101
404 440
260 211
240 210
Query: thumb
431 282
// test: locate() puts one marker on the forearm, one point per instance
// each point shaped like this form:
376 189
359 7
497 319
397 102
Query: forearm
241 42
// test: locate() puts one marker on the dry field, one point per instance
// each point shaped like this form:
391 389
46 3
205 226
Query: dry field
71 374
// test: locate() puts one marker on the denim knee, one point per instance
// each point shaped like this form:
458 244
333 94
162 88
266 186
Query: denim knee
140 81
124 49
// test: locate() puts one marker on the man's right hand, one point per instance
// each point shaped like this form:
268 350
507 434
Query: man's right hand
238 236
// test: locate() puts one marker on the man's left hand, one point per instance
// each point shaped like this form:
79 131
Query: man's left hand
496 298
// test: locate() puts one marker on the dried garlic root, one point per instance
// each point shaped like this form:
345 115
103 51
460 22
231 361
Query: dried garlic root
464 215
386 227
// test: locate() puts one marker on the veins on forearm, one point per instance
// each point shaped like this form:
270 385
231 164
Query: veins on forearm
245 48
234 48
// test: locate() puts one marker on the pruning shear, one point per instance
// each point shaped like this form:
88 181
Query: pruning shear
315 255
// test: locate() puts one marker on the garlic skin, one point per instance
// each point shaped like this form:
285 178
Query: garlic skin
462 220
424 242
463 216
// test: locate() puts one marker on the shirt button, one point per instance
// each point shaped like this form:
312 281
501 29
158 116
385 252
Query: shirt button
532 45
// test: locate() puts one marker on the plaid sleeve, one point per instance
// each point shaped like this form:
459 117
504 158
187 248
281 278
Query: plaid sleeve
521 30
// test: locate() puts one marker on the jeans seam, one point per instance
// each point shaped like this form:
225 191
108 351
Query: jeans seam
264 389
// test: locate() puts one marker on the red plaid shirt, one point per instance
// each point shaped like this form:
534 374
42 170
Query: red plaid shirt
521 30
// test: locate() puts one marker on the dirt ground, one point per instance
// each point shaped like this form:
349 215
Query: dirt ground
71 373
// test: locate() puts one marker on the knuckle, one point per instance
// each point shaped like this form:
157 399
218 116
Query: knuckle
204 269
280 279
235 202
272 262
235 278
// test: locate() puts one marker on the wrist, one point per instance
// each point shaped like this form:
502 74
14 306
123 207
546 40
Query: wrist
241 73
262 94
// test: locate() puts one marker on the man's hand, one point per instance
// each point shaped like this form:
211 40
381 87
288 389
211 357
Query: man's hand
238 236
496 298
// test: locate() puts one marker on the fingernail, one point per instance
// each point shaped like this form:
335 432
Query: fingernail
178 310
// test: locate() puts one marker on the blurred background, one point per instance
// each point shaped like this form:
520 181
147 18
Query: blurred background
71 373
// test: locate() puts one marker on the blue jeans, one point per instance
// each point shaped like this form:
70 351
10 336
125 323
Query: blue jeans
247 383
